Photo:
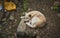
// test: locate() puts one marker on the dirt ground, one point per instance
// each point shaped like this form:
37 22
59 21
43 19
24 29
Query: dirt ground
52 28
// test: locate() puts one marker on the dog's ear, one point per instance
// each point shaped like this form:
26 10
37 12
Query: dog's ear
22 17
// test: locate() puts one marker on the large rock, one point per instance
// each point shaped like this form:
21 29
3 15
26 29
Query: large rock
21 26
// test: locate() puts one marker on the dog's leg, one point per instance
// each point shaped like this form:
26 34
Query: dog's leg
30 25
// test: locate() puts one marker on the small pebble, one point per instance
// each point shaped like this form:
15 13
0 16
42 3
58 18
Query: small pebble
4 23
0 7
0 29
43 9
4 19
0 26
15 20
11 17
51 7
29 9
58 15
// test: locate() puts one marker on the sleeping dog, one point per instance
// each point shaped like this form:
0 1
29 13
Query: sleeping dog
34 19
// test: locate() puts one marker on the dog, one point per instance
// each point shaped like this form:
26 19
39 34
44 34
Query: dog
34 19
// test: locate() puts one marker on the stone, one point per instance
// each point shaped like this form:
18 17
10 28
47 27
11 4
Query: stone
21 26
11 17
4 19
58 15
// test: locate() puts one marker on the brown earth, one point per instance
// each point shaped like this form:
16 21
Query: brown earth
51 30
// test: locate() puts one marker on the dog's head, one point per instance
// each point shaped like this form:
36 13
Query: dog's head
29 15
26 17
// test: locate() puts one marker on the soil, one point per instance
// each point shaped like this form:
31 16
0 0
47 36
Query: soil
51 30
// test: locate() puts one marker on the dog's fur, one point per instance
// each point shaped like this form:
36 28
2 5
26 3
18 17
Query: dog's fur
34 19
